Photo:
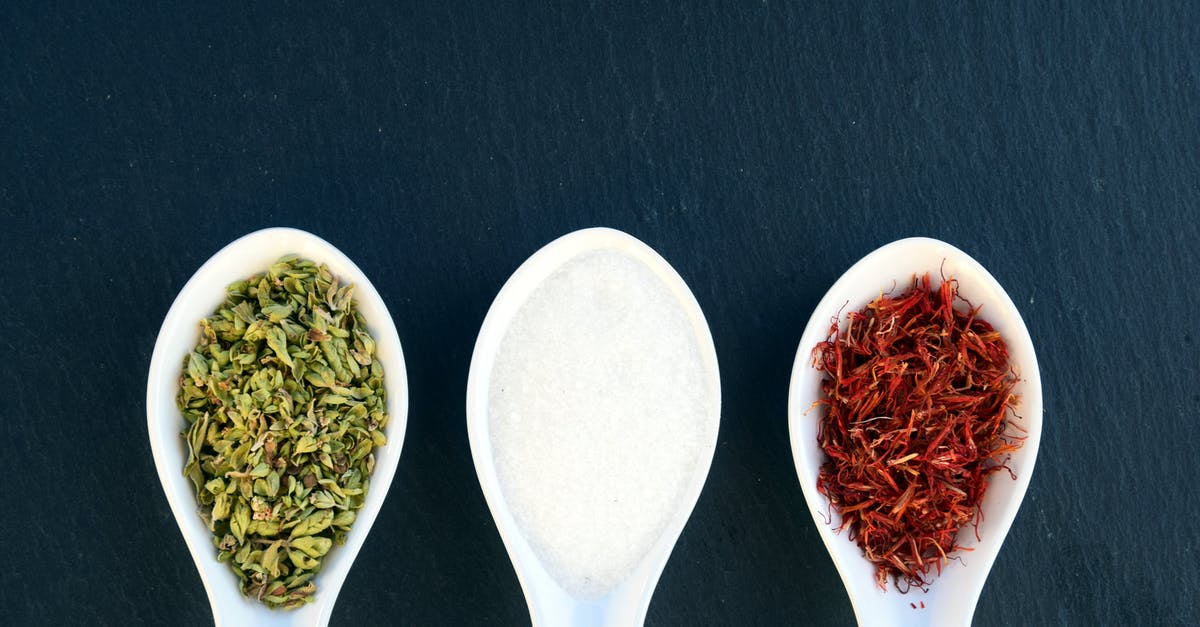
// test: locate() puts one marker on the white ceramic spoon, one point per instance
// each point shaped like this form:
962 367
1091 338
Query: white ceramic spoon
201 295
952 596
550 605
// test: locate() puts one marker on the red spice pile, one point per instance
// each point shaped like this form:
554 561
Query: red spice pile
917 396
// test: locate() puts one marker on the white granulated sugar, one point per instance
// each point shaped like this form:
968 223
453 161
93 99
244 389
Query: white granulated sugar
599 411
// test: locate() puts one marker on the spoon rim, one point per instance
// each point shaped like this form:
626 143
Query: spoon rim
859 284
515 292
204 291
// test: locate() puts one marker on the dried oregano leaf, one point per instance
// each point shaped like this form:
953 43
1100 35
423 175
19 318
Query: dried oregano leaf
285 403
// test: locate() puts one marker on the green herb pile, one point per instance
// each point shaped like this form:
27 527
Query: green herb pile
285 402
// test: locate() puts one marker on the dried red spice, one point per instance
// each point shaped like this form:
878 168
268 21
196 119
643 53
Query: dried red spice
917 395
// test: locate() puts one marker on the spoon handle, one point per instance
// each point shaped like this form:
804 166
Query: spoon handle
235 615
610 612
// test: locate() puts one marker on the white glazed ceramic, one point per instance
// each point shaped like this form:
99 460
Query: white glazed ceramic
549 604
952 596
201 295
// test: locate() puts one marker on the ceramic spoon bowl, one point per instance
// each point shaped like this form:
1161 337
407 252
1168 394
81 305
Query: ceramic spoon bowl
550 605
199 298
952 596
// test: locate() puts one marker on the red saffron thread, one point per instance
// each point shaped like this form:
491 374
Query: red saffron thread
917 393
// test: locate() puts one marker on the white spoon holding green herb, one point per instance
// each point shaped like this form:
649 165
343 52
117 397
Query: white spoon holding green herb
953 594
593 404
201 295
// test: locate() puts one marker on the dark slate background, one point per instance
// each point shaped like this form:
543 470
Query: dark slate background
761 147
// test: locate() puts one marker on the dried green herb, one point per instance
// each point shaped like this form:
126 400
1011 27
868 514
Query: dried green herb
285 402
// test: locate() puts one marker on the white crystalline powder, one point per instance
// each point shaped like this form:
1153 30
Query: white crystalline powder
600 411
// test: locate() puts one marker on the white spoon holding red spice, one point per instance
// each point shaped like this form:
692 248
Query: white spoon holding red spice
950 598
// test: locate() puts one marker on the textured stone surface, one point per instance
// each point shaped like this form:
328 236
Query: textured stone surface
760 147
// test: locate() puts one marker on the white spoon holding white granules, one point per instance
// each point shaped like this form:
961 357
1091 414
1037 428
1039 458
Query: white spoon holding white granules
593 403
